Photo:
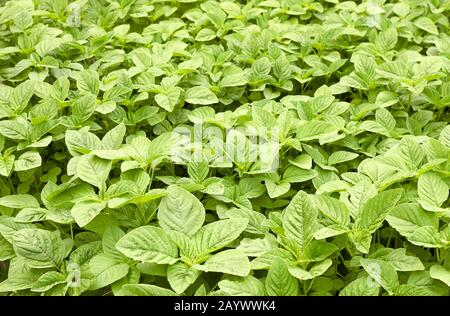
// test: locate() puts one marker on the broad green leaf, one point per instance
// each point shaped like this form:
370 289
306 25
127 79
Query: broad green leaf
376 209
110 238
382 273
93 170
40 248
200 95
406 218
242 286
340 157
432 190
88 82
28 160
316 270
300 219
363 286
82 142
440 273
315 130
426 236
333 209
180 276
168 100
148 244
6 249
19 201
279 282
181 211
85 210
294 174
231 261
426 24
6 164
17 129
106 270
399 259
114 137
218 234
47 281
275 190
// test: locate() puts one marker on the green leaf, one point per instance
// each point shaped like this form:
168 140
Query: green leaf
88 82
144 290
300 219
114 137
81 142
440 273
294 174
242 286
28 160
110 238
21 95
426 24
315 130
200 95
363 286
168 100
106 271
333 209
83 108
426 236
6 249
149 244
376 209
6 164
181 211
85 210
93 170
47 281
30 215
275 190
340 157
231 261
382 273
279 282
399 259
262 66
205 35
302 161
406 218
40 248
17 129
432 190
316 270
198 171
233 80
19 201
181 276
218 234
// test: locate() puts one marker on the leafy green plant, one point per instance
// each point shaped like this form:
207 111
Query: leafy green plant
262 147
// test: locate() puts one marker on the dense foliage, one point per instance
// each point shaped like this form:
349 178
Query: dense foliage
329 174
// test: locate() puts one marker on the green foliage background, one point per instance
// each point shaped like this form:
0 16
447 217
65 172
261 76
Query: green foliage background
93 97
